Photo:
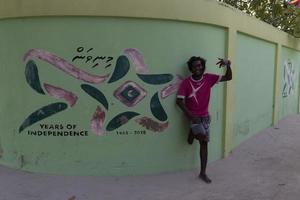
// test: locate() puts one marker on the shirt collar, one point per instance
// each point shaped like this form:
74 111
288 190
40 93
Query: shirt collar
197 80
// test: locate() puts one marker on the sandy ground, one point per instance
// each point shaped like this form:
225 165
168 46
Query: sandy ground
265 167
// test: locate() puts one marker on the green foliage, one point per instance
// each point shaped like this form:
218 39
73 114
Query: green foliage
275 12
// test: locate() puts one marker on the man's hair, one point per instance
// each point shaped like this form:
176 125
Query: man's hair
196 58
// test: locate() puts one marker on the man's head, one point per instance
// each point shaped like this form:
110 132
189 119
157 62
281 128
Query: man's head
196 65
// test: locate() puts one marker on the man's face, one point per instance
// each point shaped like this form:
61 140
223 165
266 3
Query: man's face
197 69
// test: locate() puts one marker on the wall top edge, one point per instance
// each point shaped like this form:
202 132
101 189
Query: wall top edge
198 11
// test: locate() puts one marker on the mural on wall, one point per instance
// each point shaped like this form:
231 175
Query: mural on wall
129 93
289 78
89 59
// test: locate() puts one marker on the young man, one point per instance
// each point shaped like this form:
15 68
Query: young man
193 99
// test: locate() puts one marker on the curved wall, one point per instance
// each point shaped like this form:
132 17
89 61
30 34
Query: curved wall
123 112
133 148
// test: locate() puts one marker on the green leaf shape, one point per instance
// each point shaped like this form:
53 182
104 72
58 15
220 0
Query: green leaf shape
42 113
157 109
96 94
120 120
156 79
32 77
121 69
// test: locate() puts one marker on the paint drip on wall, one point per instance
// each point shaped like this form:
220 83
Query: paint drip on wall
1 150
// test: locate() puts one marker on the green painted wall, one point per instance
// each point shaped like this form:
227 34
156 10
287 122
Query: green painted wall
290 63
254 77
165 47
252 100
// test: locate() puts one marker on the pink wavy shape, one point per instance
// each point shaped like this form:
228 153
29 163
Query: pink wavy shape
63 65
172 88
98 121
60 93
137 59
152 125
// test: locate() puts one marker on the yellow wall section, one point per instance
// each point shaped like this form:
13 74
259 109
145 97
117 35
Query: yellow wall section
277 82
204 11
229 95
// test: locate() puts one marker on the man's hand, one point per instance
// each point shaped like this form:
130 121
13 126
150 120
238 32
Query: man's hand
182 106
223 62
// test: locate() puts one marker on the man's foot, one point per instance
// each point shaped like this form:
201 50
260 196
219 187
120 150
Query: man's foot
204 178
190 138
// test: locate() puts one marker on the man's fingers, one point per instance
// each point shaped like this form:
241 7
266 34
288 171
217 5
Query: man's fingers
223 62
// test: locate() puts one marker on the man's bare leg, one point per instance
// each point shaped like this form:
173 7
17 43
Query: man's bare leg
203 160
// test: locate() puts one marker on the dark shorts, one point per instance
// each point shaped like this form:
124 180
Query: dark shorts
200 127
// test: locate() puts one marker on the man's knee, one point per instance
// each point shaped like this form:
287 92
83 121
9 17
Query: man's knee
203 138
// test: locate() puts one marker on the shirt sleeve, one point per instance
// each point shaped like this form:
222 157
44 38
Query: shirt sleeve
213 79
181 93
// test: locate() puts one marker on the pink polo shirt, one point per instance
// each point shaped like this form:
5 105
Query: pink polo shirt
197 93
